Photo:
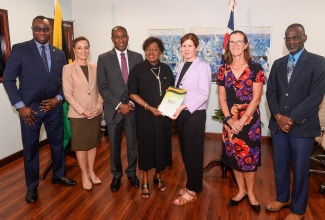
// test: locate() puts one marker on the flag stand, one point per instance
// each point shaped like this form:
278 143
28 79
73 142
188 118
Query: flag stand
67 152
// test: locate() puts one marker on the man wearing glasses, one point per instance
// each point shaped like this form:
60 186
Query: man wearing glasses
38 66
295 89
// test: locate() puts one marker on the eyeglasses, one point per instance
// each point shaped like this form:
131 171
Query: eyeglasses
239 42
294 38
39 29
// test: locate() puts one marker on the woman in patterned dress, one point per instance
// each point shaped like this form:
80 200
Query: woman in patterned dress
240 84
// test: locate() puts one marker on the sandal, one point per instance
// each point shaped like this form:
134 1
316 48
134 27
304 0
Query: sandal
160 183
182 191
183 201
145 191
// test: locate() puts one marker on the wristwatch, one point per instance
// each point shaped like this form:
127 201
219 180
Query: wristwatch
226 119
59 100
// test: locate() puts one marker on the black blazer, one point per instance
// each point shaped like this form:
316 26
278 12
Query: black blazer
300 98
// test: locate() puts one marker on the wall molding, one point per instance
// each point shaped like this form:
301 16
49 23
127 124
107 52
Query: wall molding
11 158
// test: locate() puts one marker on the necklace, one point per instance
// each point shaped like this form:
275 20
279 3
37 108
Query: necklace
157 77
237 67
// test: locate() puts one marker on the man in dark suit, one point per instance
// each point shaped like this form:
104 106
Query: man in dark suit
112 72
295 90
38 66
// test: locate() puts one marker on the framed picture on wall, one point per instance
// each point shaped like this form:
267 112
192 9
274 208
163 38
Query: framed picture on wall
210 47
4 41
171 39
260 43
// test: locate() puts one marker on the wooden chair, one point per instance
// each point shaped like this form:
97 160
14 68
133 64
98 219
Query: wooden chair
320 158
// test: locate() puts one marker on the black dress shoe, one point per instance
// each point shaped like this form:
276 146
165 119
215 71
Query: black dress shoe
31 196
234 202
115 185
134 181
66 181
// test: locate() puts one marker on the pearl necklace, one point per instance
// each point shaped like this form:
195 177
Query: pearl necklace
157 77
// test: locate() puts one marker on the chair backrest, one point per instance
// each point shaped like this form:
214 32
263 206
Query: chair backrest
321 114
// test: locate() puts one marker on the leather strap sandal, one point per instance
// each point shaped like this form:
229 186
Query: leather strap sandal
182 191
145 191
160 183
180 201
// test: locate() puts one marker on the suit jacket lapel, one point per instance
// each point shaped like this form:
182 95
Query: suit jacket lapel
298 68
283 70
191 68
116 64
80 73
34 49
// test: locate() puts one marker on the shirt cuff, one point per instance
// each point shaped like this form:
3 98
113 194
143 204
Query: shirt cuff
19 105
59 97
118 105
132 104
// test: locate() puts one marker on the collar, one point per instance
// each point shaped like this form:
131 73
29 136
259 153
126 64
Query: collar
296 56
39 44
119 52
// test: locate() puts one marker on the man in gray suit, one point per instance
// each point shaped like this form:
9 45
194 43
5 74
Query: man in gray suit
295 89
112 73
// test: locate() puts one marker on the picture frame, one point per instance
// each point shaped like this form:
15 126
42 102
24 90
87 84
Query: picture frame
210 47
259 38
4 41
172 55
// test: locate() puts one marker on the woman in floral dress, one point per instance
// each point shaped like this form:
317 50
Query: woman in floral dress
240 84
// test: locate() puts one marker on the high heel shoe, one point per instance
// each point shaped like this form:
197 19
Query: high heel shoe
145 191
256 208
87 186
160 183
234 202
96 180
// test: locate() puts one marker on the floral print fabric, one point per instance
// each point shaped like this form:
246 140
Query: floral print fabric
241 151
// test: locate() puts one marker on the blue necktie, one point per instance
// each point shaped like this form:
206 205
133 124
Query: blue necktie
290 68
44 59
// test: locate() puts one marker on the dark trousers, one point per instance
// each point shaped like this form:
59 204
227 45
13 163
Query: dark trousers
287 149
191 128
115 132
53 122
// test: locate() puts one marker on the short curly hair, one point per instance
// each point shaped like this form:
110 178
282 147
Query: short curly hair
151 40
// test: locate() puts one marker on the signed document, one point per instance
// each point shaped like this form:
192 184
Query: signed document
172 100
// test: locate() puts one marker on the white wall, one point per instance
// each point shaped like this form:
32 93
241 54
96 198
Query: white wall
20 16
140 15
95 21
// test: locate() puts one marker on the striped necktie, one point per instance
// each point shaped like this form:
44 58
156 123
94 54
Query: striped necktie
290 68
44 59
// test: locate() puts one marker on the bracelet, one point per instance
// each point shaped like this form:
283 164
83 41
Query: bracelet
145 106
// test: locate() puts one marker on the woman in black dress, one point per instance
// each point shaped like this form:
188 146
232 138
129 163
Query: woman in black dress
240 84
148 82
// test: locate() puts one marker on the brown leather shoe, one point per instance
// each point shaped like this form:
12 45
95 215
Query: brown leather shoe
277 206
293 216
